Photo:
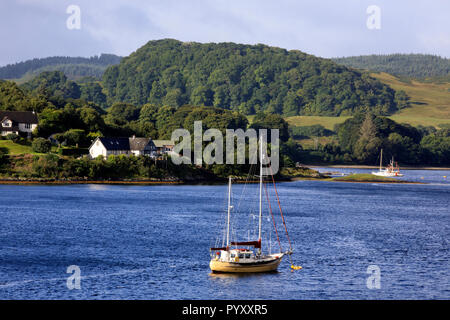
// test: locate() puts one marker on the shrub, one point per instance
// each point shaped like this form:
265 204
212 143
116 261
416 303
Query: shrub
41 145
75 137
12 136
76 152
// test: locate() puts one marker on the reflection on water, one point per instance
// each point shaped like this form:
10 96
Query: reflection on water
152 242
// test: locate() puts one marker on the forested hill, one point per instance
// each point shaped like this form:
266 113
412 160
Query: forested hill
246 78
418 66
73 67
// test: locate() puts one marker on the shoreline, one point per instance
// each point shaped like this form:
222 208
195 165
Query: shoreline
125 182
351 166
66 182
162 182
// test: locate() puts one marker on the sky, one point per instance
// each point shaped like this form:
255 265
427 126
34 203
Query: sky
326 28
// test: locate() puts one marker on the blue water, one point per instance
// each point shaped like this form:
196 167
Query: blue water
152 242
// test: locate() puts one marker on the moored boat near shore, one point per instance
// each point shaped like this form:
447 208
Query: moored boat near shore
392 170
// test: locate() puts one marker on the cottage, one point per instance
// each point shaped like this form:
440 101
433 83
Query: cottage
18 122
103 146
164 146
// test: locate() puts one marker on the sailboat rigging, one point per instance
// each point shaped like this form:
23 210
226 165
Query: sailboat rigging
232 258
392 170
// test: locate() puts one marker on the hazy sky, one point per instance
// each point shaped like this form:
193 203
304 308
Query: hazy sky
327 28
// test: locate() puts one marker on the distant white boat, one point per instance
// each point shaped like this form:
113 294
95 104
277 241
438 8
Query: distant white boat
392 170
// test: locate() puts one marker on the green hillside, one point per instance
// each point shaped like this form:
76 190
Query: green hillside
72 67
416 66
429 103
244 78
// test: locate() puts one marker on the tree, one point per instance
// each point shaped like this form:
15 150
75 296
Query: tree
272 121
41 145
368 130
125 111
148 112
368 144
248 78
75 137
157 93
92 91
201 96
91 119
173 98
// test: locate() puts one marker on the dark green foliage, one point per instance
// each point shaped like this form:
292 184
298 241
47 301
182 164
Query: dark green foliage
46 166
245 78
316 130
401 99
361 138
211 117
75 137
41 145
271 121
13 137
53 83
437 147
419 66
92 91
15 99
364 135
125 111
52 120
52 166
73 67
74 152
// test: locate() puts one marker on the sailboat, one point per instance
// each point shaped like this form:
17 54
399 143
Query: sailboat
392 170
232 258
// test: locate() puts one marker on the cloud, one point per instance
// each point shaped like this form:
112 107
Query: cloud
327 28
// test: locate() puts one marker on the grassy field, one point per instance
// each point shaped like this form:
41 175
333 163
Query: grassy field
312 144
366 177
327 122
430 105
430 102
15 148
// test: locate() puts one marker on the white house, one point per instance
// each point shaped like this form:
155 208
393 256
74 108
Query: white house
18 122
121 145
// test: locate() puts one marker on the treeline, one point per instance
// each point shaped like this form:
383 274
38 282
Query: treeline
55 87
73 67
76 72
244 78
361 138
52 166
76 122
419 66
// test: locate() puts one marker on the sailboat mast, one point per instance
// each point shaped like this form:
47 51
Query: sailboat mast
381 158
229 208
260 188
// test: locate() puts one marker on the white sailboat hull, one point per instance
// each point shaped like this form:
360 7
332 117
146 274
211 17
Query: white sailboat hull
390 171
387 174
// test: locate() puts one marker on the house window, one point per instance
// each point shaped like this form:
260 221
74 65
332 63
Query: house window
27 126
